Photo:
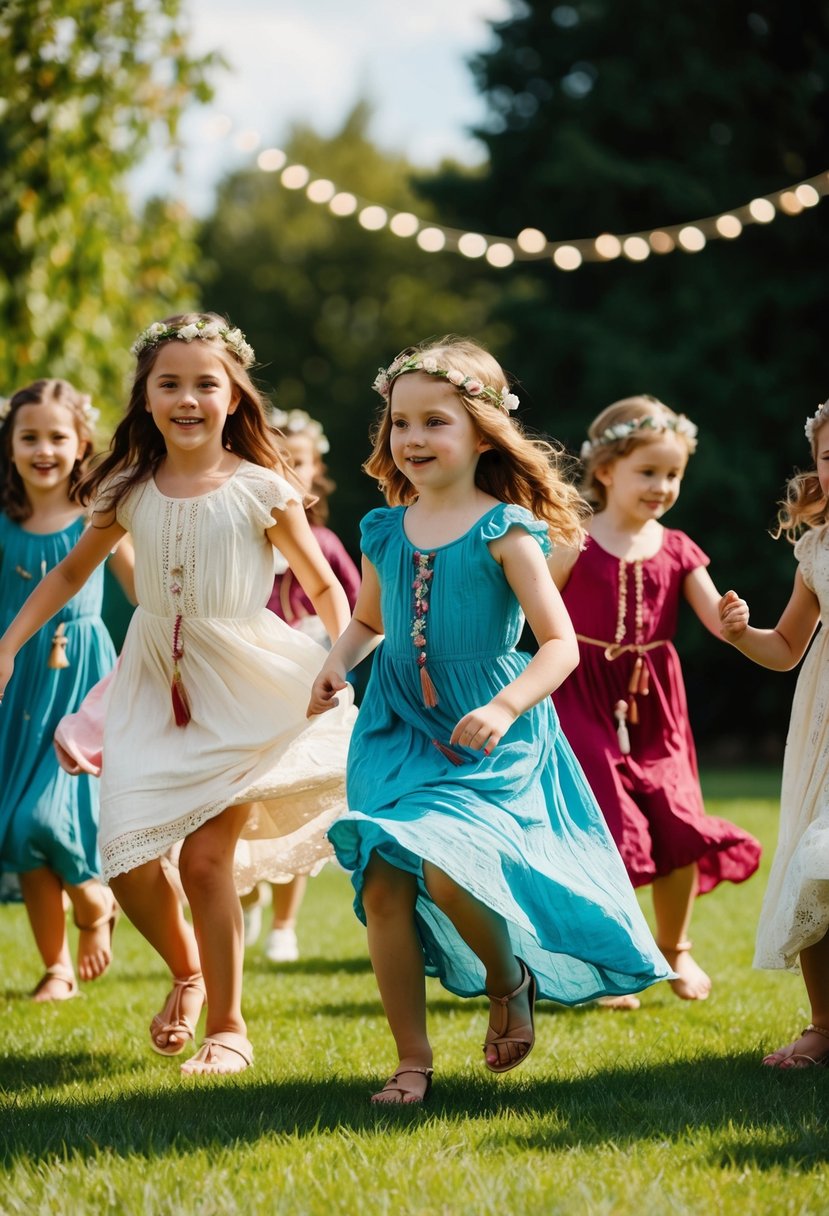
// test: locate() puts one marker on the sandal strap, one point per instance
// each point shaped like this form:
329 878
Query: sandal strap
176 1017
680 947
104 919
393 1084
57 972
817 1029
504 1001
230 1041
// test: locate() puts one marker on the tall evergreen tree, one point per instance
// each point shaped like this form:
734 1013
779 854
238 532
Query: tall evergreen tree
607 117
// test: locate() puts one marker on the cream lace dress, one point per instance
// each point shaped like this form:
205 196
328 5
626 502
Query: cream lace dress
795 910
247 676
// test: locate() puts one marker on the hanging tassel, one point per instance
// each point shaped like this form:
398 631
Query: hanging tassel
620 714
178 693
453 756
633 712
427 688
181 703
644 680
635 675
57 655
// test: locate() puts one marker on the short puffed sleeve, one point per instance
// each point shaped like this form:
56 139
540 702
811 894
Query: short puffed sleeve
507 515
126 501
376 528
806 551
686 552
262 491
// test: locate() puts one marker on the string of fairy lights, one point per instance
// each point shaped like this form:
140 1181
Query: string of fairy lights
531 244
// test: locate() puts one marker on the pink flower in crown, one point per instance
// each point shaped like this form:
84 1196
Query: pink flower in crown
455 377
473 387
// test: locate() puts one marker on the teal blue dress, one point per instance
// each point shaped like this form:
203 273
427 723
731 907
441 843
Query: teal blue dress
519 829
47 818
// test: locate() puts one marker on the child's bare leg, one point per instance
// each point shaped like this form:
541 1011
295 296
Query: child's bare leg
811 1046
486 934
206 867
93 907
152 904
287 900
397 958
673 904
42 892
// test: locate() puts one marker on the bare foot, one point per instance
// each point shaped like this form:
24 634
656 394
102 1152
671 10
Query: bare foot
408 1086
693 984
58 984
626 1001
219 1055
95 939
511 1033
810 1049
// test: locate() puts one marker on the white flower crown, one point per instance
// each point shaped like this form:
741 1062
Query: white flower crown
87 409
233 339
817 419
296 422
470 385
623 430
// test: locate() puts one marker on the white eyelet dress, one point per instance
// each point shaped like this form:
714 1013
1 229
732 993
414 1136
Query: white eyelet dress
247 676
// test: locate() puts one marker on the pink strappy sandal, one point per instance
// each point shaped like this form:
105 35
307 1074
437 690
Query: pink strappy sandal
522 1034
171 1020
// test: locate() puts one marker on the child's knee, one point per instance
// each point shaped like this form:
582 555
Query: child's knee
201 868
443 889
386 891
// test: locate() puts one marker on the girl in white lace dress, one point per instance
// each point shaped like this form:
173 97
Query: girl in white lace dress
206 738
792 933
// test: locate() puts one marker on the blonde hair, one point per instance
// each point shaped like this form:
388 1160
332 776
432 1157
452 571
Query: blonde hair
640 420
518 469
805 504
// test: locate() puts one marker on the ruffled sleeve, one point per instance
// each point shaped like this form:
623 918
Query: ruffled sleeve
126 507
375 530
506 516
264 491
688 553
806 551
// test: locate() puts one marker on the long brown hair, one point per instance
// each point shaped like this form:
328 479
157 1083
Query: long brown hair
805 504
137 447
518 469
14 501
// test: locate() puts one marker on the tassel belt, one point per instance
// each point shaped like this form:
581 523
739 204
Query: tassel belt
638 684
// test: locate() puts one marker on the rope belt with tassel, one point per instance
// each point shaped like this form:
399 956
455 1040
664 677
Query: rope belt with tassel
638 684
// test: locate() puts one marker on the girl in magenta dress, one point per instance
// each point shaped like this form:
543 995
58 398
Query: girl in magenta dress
624 708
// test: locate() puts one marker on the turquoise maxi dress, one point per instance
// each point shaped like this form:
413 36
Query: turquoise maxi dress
519 829
47 818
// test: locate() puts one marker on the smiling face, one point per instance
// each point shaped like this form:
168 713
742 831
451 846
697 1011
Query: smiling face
44 446
645 483
303 454
190 394
434 442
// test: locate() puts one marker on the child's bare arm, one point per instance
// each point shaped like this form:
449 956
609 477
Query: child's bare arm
362 634
296 542
700 592
122 565
781 648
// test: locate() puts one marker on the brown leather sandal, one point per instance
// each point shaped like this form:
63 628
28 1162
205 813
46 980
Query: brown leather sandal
794 1059
171 1020
523 1035
57 972
206 1063
403 1095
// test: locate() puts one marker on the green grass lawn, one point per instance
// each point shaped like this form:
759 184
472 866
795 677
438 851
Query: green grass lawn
662 1110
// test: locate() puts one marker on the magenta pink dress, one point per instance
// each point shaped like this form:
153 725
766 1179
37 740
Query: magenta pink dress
651 797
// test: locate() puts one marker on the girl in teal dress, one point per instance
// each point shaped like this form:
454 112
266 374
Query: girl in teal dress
49 820
478 852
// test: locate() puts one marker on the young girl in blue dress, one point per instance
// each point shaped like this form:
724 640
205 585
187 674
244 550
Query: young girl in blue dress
478 852
48 820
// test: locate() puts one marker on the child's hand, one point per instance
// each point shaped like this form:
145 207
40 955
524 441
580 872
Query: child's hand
733 616
323 692
483 728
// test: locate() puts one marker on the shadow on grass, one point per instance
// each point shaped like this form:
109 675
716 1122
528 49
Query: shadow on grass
258 964
741 1114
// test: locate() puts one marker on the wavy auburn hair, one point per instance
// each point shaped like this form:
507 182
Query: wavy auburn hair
805 504
14 501
518 469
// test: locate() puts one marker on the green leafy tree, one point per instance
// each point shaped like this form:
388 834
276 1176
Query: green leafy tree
325 302
84 88
607 117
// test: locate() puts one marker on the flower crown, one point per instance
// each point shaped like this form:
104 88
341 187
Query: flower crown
233 339
623 430
91 415
297 422
470 385
816 420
